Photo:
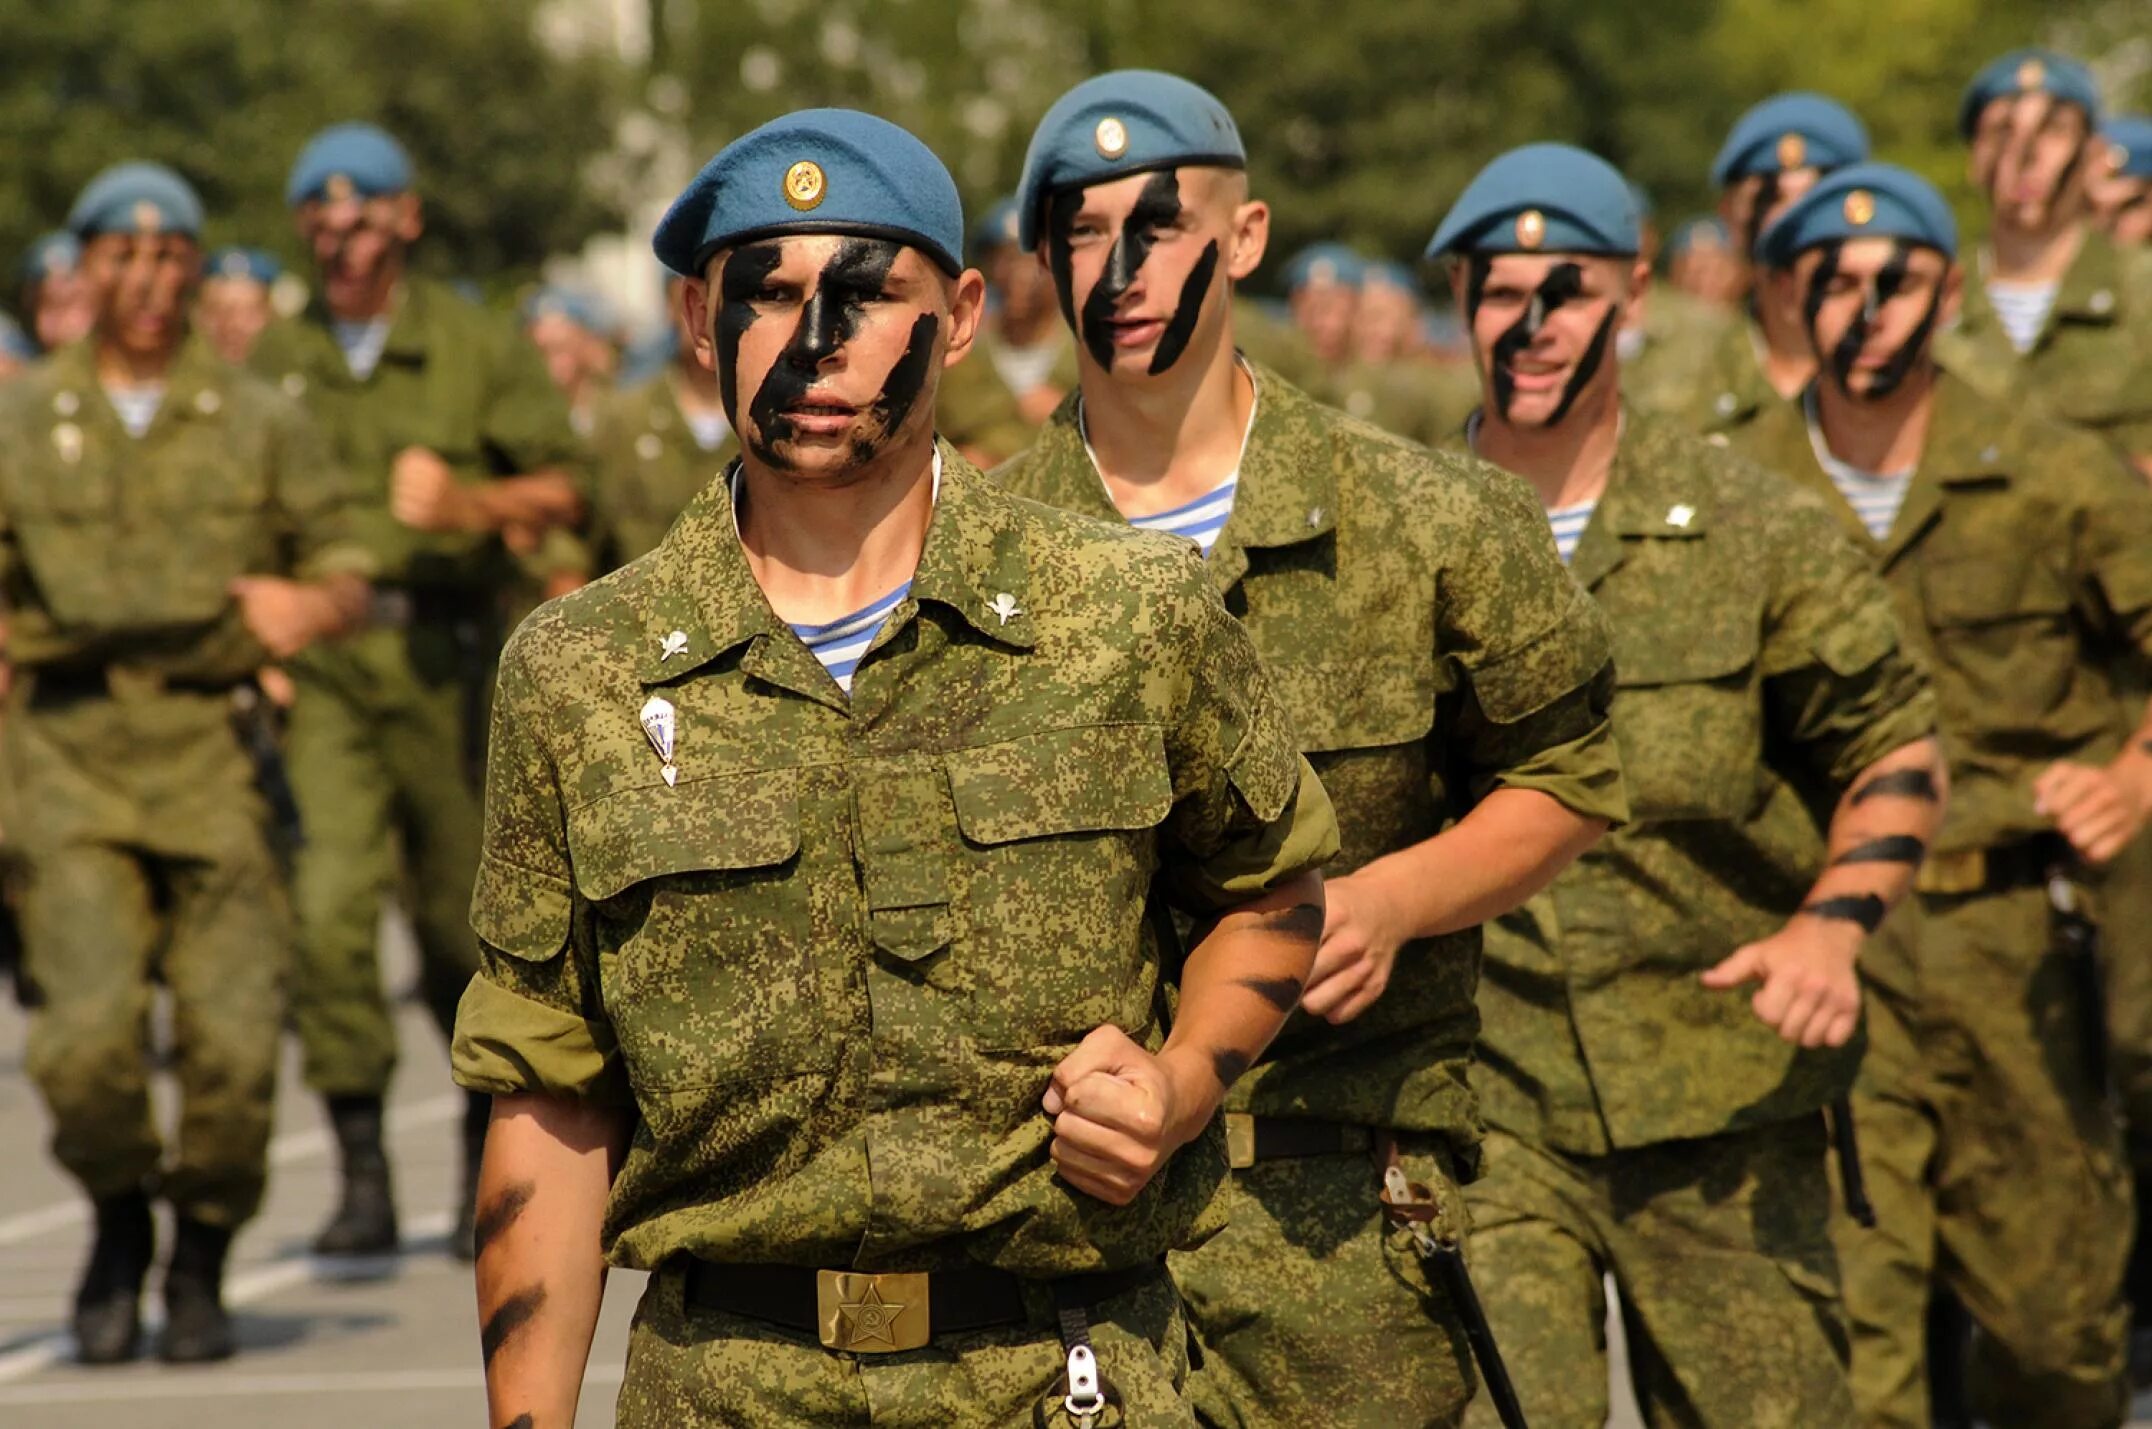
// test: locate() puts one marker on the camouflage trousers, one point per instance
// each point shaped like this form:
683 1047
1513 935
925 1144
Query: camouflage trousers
690 1367
1994 1158
147 860
1310 1309
1721 1250
376 756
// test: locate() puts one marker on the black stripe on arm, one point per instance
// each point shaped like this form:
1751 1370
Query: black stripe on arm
1282 993
513 1314
503 1211
1229 1066
1900 784
1892 848
1303 922
1865 909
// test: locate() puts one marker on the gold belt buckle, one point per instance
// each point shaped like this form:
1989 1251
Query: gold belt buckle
1965 871
871 1314
1239 1140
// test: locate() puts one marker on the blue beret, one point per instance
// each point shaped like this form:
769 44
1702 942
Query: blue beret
257 265
360 156
2129 136
2023 70
14 342
1862 201
1120 123
1797 130
585 310
57 252
816 171
1543 197
996 228
1324 263
136 198
1706 232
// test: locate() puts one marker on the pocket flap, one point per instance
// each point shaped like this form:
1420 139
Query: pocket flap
731 822
1062 781
1972 591
1649 653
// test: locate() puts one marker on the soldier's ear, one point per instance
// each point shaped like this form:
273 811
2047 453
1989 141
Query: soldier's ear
1953 297
695 317
1251 239
967 302
410 220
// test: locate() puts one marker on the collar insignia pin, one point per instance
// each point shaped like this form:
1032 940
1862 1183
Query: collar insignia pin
671 645
1680 515
1315 517
1005 606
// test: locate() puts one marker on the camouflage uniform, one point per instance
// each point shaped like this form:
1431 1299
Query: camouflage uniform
1644 1125
1423 402
925 896
650 466
1710 380
147 846
2022 566
1429 649
382 732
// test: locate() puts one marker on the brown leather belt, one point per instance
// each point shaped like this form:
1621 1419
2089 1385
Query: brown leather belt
2028 863
890 1311
1250 1138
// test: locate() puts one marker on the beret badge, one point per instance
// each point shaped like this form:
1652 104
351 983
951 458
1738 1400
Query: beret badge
1860 207
805 185
338 187
1531 228
148 218
2030 74
1792 151
1110 138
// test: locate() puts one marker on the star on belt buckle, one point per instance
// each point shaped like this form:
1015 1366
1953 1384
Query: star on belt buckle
870 1314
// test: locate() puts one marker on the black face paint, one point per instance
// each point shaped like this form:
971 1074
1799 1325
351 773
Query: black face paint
1182 326
1564 283
741 281
1157 206
1875 296
852 277
900 390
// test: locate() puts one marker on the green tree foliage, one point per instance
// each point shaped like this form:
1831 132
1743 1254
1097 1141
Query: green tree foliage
500 130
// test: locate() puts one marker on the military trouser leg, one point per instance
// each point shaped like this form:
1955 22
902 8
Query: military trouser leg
1312 1310
2021 1173
1721 1250
438 823
2126 934
690 1367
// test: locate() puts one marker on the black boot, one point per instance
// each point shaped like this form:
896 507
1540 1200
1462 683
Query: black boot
477 1114
108 1303
365 1219
196 1329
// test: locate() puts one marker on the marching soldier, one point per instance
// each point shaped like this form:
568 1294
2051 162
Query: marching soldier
233 308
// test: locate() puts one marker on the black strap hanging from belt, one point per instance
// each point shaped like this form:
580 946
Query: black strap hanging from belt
1847 1147
1081 1389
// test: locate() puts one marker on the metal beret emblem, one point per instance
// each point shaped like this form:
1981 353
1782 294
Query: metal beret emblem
2030 74
338 187
1792 151
148 218
2117 157
1860 207
1531 228
234 266
805 184
1110 138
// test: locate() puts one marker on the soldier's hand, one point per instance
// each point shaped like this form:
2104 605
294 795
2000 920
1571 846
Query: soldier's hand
285 616
424 494
1357 953
1117 1116
2098 810
1811 995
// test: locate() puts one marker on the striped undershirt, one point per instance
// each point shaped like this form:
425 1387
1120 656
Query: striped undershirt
1201 519
1874 496
136 407
2022 309
362 343
1569 523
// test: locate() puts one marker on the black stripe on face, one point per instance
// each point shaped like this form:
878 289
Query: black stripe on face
1157 207
853 277
1174 340
1876 294
1563 283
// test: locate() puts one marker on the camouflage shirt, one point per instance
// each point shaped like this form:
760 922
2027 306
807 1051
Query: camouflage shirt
2091 364
1757 670
1429 649
2022 563
1421 401
832 969
454 378
649 467
1705 374
117 549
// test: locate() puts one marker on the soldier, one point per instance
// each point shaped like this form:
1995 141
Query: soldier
2020 554
2058 314
1322 287
167 526
2122 198
1021 338
1446 678
657 445
1646 1119
443 413
1389 380
818 857
1701 262
1719 374
234 304
55 300
575 338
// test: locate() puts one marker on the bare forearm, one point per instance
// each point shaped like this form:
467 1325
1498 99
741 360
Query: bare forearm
541 1202
539 501
1238 985
1512 845
344 598
1879 833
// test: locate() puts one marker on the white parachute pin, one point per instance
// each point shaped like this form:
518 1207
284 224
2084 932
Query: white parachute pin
657 720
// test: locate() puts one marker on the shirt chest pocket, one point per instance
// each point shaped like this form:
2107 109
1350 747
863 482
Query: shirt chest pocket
707 929
1688 716
2003 628
1052 869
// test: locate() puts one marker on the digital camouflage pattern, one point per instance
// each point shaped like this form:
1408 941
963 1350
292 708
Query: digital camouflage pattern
1423 402
1729 1286
1703 373
386 721
1429 648
923 896
650 466
1306 1243
1757 671
2090 366
2022 566
687 1365
147 857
